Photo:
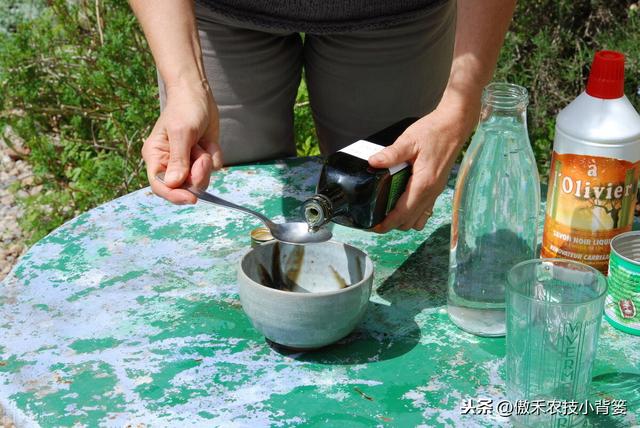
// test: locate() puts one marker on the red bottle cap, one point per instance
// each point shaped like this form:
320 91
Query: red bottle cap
606 79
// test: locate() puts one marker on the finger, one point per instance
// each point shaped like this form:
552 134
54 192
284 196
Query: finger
201 166
210 142
156 160
416 213
423 219
181 139
404 227
213 148
395 218
211 139
401 151
414 217
176 196
428 194
409 207
216 156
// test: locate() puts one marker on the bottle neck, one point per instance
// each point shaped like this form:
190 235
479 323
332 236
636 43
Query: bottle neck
322 207
504 103
490 115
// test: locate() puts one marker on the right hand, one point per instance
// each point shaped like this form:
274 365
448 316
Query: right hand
184 143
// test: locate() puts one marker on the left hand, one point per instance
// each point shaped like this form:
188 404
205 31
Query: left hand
431 144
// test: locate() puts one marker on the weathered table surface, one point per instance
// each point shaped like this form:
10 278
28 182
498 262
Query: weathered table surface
129 314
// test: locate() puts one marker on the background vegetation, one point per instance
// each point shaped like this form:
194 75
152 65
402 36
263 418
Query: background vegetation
78 89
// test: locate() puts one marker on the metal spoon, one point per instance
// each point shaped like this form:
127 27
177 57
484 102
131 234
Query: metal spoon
292 233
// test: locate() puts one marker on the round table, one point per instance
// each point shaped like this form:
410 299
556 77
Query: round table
129 314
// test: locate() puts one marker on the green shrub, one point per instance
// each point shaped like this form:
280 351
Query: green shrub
305 132
78 85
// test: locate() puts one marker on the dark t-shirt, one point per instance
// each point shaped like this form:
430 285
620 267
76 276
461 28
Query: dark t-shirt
322 16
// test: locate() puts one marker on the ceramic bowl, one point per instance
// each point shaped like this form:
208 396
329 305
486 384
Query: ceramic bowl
305 296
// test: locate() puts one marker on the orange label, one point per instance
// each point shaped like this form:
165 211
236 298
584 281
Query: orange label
591 199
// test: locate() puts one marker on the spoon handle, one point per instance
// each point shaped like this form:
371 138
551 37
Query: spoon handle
216 200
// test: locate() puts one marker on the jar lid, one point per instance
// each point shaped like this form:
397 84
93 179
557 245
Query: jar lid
260 235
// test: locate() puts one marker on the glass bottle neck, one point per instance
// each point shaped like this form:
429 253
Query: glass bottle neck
489 114
322 207
318 210
504 104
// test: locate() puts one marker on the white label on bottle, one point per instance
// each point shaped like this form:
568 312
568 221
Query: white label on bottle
364 149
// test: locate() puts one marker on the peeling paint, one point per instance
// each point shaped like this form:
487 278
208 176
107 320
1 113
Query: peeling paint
129 314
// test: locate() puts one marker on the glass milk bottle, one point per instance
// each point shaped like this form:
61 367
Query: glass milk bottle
495 212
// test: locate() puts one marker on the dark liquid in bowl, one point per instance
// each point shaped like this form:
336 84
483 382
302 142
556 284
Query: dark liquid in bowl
284 269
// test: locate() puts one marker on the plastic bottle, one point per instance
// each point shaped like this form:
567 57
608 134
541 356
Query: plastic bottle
495 212
594 168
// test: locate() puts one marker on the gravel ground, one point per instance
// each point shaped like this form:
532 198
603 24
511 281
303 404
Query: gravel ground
12 239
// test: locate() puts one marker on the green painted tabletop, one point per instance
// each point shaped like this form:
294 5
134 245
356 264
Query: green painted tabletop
129 314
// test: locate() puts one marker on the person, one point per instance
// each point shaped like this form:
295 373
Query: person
229 71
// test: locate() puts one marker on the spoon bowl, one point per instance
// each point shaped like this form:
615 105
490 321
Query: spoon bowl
291 233
298 233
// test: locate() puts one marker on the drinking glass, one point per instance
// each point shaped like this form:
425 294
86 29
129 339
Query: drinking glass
554 309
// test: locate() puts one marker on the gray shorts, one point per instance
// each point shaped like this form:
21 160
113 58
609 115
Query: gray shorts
358 82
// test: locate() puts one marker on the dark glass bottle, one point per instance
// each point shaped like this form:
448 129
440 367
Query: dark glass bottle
352 193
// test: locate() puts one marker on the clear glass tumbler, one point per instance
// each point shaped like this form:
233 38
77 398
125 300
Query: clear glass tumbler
554 309
495 212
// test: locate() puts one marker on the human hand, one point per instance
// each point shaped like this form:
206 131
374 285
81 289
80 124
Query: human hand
184 142
431 145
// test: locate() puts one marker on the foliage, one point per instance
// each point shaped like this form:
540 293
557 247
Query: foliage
549 50
77 85
305 133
